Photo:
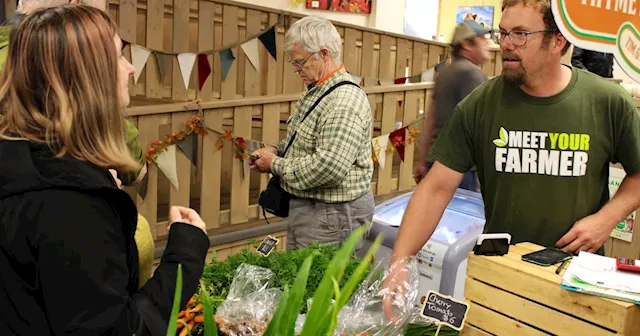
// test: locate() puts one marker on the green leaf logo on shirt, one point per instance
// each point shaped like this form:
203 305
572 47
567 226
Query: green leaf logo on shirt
504 138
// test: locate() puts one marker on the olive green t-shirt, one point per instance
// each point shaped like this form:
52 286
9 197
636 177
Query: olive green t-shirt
543 163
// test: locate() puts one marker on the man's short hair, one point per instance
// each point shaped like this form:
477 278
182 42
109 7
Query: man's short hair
314 33
544 6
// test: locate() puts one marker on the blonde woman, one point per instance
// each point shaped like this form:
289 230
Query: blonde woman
68 255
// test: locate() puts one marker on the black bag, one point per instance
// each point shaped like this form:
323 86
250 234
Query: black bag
274 199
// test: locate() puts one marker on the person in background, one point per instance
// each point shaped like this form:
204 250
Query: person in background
69 258
328 168
144 237
470 49
596 62
542 136
25 7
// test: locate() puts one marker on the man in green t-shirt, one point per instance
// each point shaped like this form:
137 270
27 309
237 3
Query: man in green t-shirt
542 136
26 6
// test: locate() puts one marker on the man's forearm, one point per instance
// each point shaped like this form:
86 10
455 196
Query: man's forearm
625 201
421 217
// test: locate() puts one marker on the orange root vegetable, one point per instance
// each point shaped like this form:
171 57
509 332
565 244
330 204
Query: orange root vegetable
191 302
179 325
188 317
199 319
184 332
197 309
181 314
191 324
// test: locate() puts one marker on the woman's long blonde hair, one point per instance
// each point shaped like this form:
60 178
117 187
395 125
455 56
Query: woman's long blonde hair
60 86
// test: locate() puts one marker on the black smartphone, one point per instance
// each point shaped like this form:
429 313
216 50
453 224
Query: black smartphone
547 257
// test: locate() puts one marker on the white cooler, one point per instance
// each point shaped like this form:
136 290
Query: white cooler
442 261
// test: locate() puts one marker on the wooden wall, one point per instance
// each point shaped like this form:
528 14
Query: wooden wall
199 25
218 189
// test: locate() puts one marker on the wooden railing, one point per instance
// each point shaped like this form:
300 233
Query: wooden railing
199 25
217 188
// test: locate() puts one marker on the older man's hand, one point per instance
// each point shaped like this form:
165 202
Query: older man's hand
263 158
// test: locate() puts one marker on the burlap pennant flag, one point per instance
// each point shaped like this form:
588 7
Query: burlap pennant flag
186 61
164 61
397 139
139 56
386 82
226 60
356 79
268 39
204 70
429 75
415 78
250 49
190 148
166 161
379 149
141 188
370 81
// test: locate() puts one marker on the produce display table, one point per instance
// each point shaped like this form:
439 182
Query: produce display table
508 296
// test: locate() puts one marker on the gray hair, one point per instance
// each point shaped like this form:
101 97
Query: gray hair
314 33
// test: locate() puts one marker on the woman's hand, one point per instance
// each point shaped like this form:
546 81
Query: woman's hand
186 215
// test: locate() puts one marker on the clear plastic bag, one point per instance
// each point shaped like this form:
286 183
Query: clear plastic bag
251 302
364 313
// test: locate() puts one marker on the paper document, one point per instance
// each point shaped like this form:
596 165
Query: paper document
597 275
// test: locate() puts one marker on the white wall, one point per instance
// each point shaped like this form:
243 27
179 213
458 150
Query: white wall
387 15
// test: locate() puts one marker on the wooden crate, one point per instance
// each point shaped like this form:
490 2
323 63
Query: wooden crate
510 297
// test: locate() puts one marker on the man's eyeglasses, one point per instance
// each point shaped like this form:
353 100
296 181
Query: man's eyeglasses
298 65
518 38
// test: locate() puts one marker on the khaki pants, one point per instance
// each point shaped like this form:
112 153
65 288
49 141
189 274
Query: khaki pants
312 221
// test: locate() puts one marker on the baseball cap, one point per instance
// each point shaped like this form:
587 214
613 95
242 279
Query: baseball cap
468 29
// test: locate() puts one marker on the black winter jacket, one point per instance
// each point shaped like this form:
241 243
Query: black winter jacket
68 258
596 62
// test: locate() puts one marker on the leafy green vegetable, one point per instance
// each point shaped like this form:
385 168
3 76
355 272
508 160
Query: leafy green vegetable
173 320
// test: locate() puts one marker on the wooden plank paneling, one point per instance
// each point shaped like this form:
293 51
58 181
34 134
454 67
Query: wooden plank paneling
127 29
180 44
205 42
154 31
387 126
230 36
410 114
350 51
240 182
211 178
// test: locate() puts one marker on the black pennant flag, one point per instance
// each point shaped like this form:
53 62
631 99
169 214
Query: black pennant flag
190 148
268 39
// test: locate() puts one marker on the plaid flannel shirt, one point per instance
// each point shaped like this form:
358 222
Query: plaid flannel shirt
330 158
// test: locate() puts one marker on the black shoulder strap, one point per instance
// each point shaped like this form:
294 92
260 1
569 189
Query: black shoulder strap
326 93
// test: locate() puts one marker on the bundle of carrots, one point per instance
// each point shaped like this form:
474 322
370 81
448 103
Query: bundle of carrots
191 315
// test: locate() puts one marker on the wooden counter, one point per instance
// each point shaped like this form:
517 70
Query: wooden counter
510 297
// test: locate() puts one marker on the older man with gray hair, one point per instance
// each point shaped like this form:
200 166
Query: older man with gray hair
324 162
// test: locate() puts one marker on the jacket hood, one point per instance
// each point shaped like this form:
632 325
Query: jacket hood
27 166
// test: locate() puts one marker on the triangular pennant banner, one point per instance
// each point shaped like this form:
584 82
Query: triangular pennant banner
386 82
166 162
226 60
400 80
429 75
369 82
397 138
164 61
250 49
379 149
186 61
139 56
246 170
125 44
268 39
356 79
253 145
204 70
141 188
190 148
415 78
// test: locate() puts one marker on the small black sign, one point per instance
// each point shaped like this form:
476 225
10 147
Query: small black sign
445 309
267 245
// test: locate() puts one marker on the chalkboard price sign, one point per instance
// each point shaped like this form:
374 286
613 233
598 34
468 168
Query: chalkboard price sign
267 245
445 309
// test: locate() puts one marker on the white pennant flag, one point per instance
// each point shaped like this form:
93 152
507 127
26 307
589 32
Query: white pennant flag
356 79
380 148
250 49
428 76
186 62
139 56
166 162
